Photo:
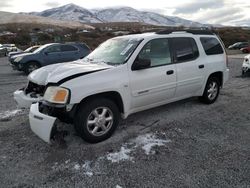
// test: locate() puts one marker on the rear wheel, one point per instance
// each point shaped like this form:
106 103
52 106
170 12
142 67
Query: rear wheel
211 91
96 120
31 66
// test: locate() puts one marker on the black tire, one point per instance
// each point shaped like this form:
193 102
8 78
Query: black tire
31 66
85 113
207 98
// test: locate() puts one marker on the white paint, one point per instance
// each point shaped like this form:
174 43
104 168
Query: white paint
9 114
122 155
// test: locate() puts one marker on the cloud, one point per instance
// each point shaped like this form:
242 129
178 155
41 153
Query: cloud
5 4
193 7
52 4
225 12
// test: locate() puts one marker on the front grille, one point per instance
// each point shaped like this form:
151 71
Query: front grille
37 89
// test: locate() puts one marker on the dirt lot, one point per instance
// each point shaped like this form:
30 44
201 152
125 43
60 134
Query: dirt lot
193 145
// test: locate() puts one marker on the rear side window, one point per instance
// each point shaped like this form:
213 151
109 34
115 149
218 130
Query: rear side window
184 49
68 48
211 46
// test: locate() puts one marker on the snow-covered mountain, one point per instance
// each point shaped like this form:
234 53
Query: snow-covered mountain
7 18
119 14
69 12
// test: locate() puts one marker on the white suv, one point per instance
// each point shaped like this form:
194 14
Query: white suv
122 76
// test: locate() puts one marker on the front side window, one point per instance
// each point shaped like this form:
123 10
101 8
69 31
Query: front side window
211 46
157 51
53 49
185 49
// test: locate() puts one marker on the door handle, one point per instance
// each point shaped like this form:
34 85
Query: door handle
170 72
201 66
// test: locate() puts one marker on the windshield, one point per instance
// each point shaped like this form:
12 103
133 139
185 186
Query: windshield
28 49
114 51
41 48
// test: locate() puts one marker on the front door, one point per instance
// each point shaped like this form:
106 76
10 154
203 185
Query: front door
157 83
52 54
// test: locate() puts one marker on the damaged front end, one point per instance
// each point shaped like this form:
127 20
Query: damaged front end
45 119
32 93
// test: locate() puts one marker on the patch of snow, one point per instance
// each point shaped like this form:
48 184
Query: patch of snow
87 169
122 155
77 167
9 114
66 162
148 141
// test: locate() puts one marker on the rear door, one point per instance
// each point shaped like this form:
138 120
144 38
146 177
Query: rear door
156 84
190 71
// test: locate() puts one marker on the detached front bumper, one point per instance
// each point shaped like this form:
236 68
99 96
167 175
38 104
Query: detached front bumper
41 124
23 100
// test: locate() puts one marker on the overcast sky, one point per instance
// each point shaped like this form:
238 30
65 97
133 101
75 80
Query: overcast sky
227 12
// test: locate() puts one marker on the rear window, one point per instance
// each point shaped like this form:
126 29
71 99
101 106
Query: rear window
67 48
211 46
185 49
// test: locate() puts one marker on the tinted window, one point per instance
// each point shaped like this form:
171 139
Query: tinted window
53 49
66 48
185 49
211 46
157 51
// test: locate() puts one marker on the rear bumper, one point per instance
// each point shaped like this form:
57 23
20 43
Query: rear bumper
41 124
23 100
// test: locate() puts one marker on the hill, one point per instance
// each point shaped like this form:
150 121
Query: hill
11 18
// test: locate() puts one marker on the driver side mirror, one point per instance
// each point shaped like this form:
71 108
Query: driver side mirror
140 64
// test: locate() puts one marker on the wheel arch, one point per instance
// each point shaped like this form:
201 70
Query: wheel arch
33 61
111 95
218 75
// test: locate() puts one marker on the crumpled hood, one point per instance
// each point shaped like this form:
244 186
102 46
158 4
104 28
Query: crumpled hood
56 72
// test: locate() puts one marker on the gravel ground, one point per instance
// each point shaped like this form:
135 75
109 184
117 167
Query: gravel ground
193 145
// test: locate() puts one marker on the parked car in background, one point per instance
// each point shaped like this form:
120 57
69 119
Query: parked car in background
49 54
246 65
3 50
246 49
238 46
28 50
125 75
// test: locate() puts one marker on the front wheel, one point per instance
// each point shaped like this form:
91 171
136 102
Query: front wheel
31 66
211 91
96 120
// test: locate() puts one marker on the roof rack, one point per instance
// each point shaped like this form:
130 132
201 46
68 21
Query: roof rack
195 32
